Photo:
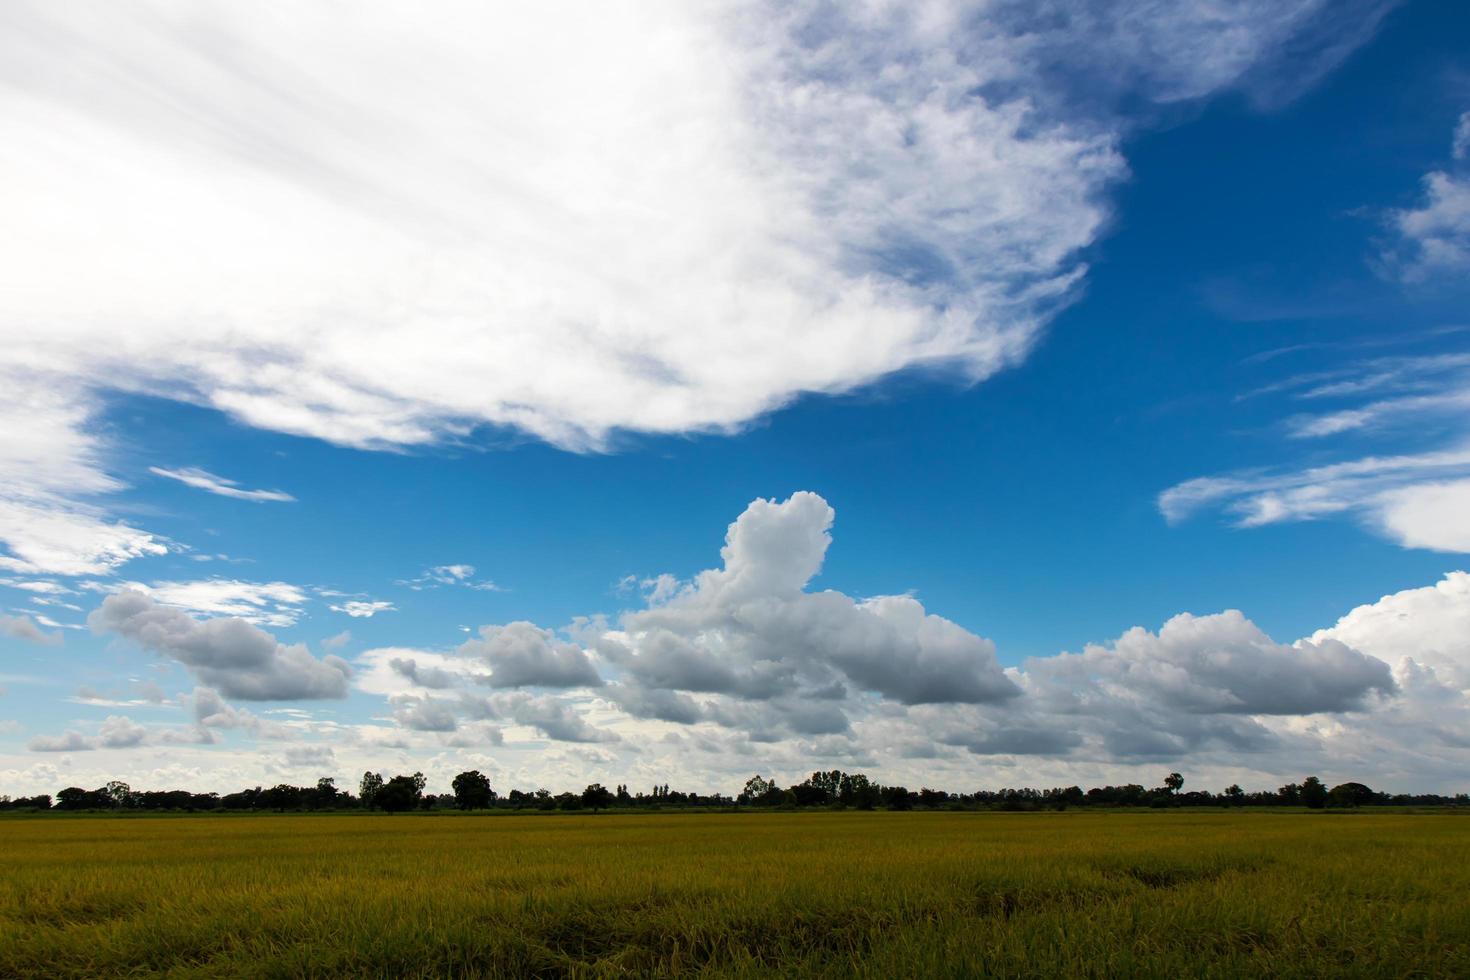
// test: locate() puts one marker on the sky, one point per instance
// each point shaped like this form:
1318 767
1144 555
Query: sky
970 394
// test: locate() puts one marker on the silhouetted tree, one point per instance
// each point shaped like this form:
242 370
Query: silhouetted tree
400 793
755 788
1173 782
472 790
1351 794
1314 794
597 797
368 789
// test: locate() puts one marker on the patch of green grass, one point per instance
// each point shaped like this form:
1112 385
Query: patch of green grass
808 894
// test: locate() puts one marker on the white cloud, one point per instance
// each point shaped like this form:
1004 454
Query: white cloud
22 628
1430 515
524 655
118 732
41 587
68 741
1430 625
461 574
231 655
337 641
263 603
204 480
1368 486
1219 664
50 467
571 219
1417 499
1434 238
364 608
307 756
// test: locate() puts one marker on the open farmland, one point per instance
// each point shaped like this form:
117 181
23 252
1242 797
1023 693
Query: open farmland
831 893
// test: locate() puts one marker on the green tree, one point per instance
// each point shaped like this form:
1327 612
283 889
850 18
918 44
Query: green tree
1314 794
400 793
1235 795
1173 782
597 797
472 790
1351 794
755 788
368 789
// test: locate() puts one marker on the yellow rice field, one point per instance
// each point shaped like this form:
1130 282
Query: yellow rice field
1103 894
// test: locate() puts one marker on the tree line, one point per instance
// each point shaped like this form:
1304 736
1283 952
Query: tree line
471 790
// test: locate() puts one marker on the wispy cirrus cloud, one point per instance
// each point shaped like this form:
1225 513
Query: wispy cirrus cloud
221 486
1418 497
462 575
363 608
758 202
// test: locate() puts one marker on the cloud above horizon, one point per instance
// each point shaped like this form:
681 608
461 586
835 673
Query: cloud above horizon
746 652
745 666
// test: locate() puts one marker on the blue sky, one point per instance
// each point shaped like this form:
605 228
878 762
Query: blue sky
1068 326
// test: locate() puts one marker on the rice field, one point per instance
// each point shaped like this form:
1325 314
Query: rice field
1124 893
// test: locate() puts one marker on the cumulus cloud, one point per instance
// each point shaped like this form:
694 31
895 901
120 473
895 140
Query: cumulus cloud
523 655
1219 664
551 716
118 732
432 677
23 628
68 741
300 756
423 714
1434 238
1430 625
748 648
751 630
231 655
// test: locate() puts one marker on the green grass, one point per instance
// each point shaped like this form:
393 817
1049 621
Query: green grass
1154 894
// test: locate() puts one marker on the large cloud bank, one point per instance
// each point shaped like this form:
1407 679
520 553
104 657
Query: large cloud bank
749 666
390 227
747 660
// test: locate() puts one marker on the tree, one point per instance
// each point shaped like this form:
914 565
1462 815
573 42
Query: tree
74 798
472 790
400 793
367 791
755 788
1173 782
597 796
1351 794
326 793
1235 795
1314 794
